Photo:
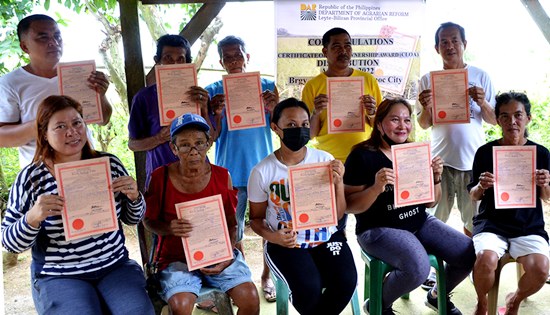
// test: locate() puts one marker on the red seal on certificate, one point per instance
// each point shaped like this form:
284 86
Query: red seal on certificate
304 218
442 114
170 114
78 224
198 255
337 123
405 194
505 196
237 119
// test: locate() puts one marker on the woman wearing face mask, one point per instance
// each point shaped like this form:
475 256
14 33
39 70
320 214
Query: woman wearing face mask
311 260
401 237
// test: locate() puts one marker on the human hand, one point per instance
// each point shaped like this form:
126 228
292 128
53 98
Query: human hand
320 102
126 185
369 104
163 135
270 100
198 95
437 168
477 94
383 177
486 180
98 82
425 99
217 103
542 178
286 237
180 227
45 206
338 170
217 268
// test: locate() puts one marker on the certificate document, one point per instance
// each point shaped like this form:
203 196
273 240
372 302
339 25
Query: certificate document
73 82
209 242
344 110
412 165
244 105
89 200
173 81
514 168
450 97
312 196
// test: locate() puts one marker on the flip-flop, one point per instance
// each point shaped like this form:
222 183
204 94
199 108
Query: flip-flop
210 307
270 294
501 310
548 280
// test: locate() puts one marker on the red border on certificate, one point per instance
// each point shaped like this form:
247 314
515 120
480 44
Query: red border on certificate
204 261
185 68
234 121
399 192
299 215
85 63
71 166
332 121
501 195
439 117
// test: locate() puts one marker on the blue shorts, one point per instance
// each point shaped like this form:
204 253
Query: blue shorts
176 278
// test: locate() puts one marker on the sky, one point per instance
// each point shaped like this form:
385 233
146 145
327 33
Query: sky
502 39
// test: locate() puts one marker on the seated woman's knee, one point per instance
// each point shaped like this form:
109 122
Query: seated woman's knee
486 261
182 303
246 298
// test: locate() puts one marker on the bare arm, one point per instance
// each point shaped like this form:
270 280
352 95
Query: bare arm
542 179
16 134
437 167
486 181
150 143
320 102
284 237
98 82
361 198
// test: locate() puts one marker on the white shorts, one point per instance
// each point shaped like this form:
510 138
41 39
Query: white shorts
517 246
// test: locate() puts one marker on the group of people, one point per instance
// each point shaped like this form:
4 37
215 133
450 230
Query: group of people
95 273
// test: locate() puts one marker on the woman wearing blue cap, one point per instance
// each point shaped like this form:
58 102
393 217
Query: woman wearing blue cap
191 178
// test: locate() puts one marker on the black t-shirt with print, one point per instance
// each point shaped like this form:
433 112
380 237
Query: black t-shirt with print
361 167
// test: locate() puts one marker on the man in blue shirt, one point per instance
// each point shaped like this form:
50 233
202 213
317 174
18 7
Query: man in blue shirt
240 150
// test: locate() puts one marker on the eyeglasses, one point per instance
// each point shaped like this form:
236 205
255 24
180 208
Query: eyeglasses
187 148
234 58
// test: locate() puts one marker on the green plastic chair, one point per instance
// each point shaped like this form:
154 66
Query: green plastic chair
375 272
283 294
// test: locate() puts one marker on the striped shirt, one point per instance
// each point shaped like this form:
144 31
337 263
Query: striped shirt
51 254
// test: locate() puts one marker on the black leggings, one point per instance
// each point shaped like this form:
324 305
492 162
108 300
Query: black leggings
329 266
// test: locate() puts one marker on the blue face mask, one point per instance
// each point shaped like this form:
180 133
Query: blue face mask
295 138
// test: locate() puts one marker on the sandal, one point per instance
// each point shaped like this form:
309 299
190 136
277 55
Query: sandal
207 305
430 282
270 294
548 280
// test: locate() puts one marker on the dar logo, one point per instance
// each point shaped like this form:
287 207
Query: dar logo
308 12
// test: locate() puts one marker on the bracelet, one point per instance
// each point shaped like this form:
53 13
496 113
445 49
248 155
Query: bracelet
437 181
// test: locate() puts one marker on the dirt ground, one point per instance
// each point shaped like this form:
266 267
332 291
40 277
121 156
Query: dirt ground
18 300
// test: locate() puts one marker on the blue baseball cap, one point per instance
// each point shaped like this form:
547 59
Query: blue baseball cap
188 120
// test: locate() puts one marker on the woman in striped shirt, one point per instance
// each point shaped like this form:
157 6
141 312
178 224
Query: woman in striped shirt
90 275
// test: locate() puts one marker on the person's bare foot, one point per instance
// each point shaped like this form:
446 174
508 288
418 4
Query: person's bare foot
268 288
512 305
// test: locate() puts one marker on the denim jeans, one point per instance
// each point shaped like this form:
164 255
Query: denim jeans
119 290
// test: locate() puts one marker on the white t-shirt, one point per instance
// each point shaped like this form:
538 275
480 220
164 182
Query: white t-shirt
20 94
268 181
457 144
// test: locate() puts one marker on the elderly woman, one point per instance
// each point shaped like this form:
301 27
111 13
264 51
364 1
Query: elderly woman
383 231
84 276
317 264
519 231
190 178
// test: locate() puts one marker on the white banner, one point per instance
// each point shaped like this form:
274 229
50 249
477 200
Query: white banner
385 37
